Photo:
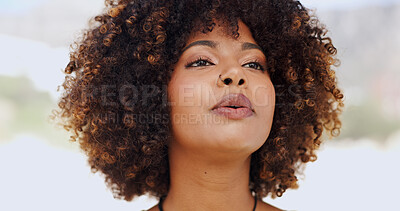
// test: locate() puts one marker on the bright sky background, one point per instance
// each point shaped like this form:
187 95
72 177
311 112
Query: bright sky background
21 6
38 176
344 4
33 67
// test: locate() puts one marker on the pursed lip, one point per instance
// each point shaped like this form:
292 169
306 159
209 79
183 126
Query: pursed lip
234 100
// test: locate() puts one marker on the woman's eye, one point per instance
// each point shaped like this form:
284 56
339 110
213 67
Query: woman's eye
255 65
198 63
205 62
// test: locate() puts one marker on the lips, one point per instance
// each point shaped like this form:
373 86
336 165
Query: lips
234 101
234 106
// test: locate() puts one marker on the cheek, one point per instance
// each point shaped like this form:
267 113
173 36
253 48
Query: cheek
264 103
264 97
188 95
181 92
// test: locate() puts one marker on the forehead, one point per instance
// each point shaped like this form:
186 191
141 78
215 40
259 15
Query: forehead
220 32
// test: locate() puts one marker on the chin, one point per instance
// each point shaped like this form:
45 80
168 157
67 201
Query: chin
223 134
233 137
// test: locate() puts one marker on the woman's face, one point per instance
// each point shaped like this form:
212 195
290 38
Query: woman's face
195 88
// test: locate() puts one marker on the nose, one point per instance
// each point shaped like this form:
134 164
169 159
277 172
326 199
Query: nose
234 76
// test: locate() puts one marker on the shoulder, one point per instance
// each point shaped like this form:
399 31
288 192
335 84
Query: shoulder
154 208
262 206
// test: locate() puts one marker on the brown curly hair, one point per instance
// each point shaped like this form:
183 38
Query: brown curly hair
114 98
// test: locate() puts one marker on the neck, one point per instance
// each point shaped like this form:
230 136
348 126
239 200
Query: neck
197 182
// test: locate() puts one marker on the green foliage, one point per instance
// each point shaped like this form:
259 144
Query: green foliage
368 120
28 110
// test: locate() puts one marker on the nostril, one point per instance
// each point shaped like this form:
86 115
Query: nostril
228 81
241 81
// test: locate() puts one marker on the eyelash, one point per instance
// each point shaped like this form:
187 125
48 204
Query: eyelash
189 64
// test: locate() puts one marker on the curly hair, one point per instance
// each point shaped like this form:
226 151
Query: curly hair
114 98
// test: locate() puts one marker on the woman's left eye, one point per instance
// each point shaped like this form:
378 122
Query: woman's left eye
255 65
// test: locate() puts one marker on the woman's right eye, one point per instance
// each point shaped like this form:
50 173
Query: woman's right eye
198 63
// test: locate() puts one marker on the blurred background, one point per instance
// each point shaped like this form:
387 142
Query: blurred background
41 170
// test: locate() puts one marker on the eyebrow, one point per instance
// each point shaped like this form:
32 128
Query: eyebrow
213 44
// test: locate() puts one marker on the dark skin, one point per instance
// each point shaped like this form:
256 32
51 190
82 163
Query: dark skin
210 166
131 60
